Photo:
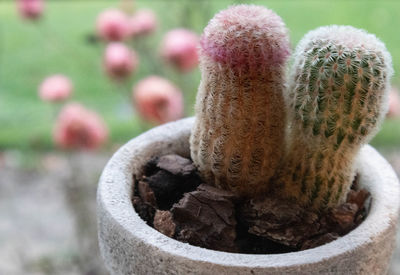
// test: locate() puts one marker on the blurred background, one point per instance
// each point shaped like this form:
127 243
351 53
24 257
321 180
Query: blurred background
80 78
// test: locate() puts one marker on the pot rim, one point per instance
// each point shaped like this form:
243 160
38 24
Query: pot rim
115 191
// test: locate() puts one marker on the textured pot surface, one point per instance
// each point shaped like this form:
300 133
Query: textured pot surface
129 246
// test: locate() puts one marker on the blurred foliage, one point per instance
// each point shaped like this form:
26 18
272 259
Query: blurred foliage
63 43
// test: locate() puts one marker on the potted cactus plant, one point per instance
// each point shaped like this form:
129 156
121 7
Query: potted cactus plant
259 133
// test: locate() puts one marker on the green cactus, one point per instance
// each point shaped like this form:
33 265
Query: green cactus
336 99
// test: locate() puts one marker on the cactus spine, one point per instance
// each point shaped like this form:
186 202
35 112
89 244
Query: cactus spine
236 142
336 100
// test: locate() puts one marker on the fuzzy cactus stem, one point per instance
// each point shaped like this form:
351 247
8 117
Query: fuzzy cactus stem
236 142
337 97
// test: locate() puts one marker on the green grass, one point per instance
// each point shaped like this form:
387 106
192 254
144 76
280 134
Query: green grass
58 44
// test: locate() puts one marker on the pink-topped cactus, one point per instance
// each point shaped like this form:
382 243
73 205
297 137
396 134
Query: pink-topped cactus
179 48
30 9
55 88
79 128
237 139
246 36
112 25
119 60
157 100
143 22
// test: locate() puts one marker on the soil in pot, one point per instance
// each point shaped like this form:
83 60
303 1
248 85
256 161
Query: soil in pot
172 198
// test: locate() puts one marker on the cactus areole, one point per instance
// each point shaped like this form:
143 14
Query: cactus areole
257 131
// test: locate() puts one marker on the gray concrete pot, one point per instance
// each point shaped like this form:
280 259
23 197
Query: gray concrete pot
129 246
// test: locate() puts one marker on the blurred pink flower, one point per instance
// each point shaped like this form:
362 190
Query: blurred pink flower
179 48
157 100
119 60
79 128
112 25
394 103
143 22
55 88
30 9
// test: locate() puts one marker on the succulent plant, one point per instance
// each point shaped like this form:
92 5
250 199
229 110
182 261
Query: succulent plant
336 99
237 140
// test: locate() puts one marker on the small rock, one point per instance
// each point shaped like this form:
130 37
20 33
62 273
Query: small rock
166 188
216 193
144 210
150 167
170 177
279 220
146 194
358 197
271 213
341 219
164 223
207 219
176 165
